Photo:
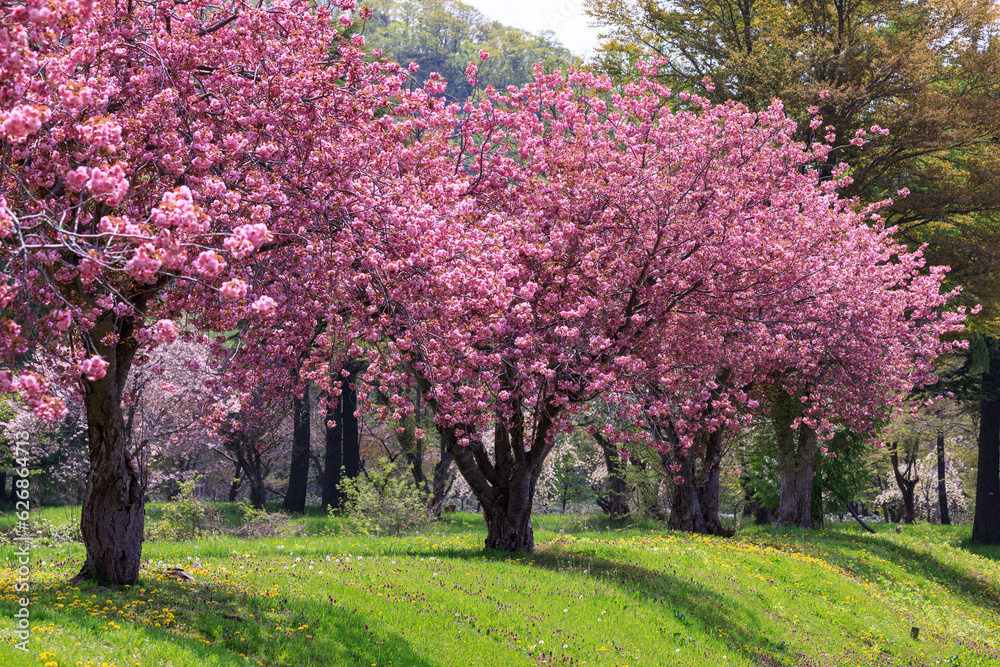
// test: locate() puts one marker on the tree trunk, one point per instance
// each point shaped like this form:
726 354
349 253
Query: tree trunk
617 502
298 474
505 488
509 528
343 454
685 505
695 503
942 489
234 488
444 477
351 432
708 489
796 461
903 481
333 459
249 460
986 521
258 492
112 519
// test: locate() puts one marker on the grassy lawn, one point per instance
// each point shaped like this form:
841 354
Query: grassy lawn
590 595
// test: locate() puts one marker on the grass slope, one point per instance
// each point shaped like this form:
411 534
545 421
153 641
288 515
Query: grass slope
588 596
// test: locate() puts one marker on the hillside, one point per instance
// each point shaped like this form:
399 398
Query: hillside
589 596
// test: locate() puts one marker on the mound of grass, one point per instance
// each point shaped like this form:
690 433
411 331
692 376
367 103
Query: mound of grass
592 594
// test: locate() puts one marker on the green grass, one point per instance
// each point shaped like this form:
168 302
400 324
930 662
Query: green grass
590 595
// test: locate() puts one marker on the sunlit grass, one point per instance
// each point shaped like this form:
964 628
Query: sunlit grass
592 594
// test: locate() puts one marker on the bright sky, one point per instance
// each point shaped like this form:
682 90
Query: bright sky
563 17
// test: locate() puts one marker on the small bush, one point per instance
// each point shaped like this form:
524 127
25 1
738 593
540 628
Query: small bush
385 501
259 522
186 517
46 533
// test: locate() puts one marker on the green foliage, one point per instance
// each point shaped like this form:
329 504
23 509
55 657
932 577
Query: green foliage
570 481
384 500
644 477
186 517
443 36
847 473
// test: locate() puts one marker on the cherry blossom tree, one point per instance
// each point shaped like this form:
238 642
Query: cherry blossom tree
150 150
574 242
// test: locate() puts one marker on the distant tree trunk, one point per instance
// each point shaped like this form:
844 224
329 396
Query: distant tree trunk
249 460
796 460
617 501
444 477
234 488
647 491
942 489
986 521
333 459
320 473
112 518
352 431
343 454
298 474
413 449
906 485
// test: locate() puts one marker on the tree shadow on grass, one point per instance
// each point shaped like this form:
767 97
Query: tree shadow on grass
218 625
970 587
990 551
680 599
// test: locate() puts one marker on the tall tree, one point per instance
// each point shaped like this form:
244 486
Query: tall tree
145 163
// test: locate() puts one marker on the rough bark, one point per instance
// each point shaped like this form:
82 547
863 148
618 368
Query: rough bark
505 486
942 488
986 521
694 506
616 503
685 505
903 481
298 474
112 519
708 489
797 451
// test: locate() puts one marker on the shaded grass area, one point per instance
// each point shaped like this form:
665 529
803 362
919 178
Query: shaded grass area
592 594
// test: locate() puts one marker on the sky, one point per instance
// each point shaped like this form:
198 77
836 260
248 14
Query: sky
563 17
